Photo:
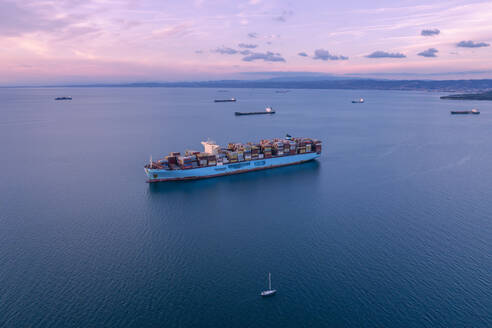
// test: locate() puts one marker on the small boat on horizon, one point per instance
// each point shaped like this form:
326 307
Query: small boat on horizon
473 111
269 291
268 110
63 98
225 100
360 101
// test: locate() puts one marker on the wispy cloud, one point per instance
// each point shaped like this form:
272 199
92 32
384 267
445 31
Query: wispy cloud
323 54
472 44
225 51
127 24
253 35
384 54
76 32
283 16
302 54
18 18
431 52
430 32
178 30
247 46
267 56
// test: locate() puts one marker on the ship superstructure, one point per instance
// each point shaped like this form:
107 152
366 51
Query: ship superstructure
235 158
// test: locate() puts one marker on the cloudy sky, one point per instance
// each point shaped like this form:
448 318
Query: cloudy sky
67 41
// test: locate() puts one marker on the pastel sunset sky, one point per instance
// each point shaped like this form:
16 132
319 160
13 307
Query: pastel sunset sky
85 41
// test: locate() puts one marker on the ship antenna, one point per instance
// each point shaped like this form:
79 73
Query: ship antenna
151 160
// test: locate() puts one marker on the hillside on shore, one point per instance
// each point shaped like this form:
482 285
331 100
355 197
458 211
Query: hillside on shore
470 96
471 86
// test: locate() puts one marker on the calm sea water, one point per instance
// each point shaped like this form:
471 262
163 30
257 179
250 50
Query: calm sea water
392 227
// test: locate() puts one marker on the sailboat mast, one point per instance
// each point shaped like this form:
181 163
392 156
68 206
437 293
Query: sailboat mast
269 281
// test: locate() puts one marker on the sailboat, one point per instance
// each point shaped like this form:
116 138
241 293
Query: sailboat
270 291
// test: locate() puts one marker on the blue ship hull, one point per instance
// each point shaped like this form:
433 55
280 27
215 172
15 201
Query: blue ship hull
157 175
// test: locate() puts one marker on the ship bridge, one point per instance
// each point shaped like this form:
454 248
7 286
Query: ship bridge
210 147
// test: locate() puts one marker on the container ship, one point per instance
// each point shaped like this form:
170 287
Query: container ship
268 110
473 111
225 100
236 158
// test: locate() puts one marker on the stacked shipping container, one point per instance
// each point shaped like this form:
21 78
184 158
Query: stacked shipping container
237 152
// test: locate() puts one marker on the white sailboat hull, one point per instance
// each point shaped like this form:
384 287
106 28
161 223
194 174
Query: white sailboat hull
268 292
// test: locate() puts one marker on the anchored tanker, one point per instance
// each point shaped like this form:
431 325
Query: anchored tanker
236 158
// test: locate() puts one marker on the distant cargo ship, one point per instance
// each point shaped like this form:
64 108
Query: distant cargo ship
225 100
473 111
237 158
268 110
360 101
63 98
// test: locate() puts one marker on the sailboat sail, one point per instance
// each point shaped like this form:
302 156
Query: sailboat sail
270 291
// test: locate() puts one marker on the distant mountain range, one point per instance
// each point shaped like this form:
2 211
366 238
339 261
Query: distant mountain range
311 82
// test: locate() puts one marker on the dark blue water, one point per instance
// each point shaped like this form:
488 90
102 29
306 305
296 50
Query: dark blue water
392 227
